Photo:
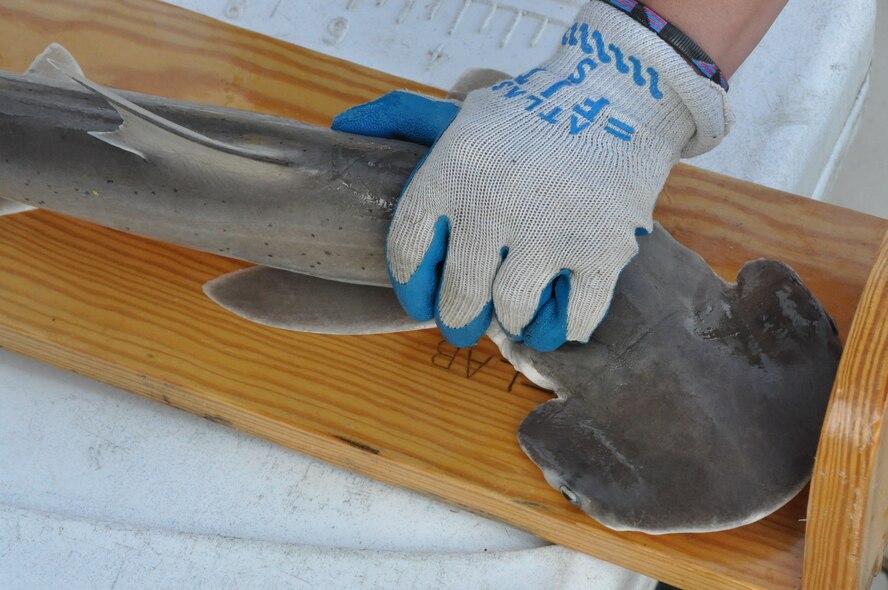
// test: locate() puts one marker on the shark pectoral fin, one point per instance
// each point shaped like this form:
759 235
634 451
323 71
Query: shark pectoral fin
473 79
8 207
148 135
302 303
56 63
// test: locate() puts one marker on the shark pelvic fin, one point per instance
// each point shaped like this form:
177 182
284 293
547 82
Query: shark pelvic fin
55 63
148 135
301 303
11 207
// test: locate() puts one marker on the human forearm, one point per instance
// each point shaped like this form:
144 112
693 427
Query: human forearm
728 30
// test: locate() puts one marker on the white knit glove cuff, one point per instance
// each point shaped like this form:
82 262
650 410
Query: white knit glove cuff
618 44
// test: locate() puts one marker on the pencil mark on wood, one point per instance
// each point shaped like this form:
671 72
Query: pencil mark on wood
218 419
358 444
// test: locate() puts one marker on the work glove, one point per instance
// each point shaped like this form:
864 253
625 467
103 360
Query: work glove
529 202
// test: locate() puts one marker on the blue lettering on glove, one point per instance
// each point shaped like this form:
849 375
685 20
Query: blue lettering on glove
570 38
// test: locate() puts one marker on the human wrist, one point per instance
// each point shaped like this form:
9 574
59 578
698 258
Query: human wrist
683 44
726 29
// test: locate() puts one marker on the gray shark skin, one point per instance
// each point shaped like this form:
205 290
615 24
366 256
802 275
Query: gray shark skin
320 201
696 406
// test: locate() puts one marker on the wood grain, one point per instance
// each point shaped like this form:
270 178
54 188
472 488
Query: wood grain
848 510
403 408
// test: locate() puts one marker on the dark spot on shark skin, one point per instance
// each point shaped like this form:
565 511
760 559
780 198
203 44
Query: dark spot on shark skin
327 253
109 181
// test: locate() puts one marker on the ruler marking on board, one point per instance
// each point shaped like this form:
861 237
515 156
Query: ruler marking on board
424 40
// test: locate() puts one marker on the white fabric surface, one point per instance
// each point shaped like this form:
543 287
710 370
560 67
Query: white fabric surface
100 488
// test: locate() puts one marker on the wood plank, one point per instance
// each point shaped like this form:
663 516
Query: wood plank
848 512
399 407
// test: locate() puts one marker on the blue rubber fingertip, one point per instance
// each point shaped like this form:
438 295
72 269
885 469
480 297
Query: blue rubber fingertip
548 329
399 115
418 295
509 335
545 296
469 334
640 231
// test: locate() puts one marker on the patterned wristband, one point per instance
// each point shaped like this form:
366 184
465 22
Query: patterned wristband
671 34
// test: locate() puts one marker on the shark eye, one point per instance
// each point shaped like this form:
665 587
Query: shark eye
568 494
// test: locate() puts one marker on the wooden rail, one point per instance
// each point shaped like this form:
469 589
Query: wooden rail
406 408
848 508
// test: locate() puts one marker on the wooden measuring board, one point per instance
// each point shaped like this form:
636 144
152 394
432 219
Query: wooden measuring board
403 408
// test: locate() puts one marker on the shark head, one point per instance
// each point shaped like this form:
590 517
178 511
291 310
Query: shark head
695 406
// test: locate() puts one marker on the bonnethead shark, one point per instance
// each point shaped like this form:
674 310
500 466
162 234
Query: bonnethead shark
696 406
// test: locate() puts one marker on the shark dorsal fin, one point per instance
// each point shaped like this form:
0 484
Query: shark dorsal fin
55 63
146 134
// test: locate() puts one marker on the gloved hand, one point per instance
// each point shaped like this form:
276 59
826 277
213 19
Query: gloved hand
530 200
